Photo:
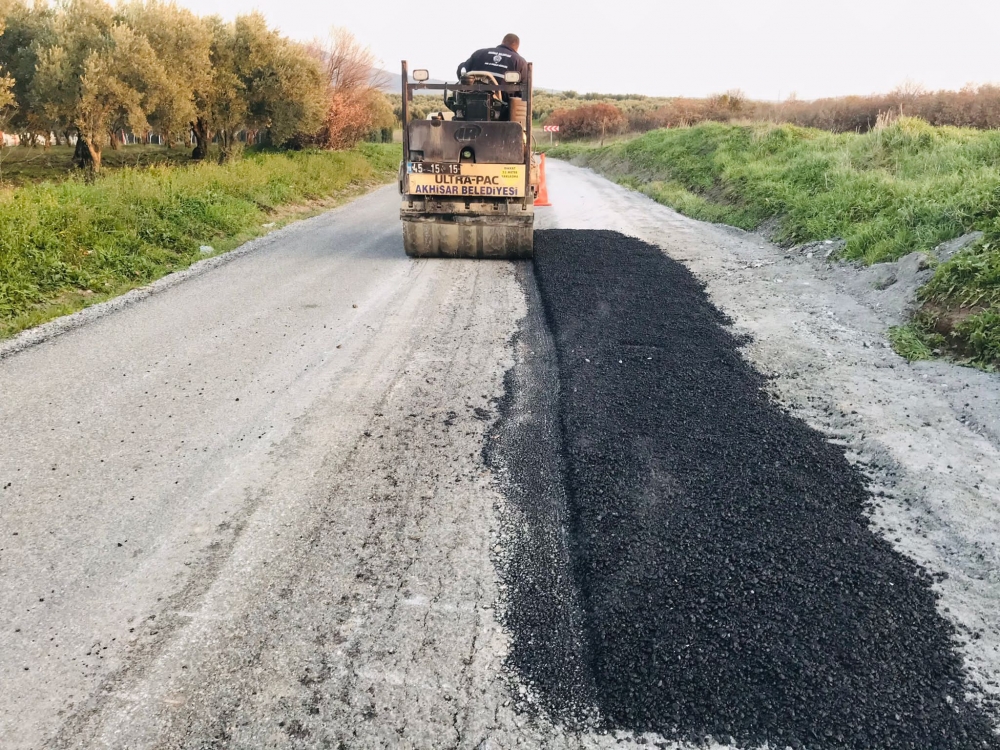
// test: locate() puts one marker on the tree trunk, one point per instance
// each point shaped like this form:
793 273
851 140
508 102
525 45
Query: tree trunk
87 155
225 145
95 157
203 136
114 140
230 146
80 154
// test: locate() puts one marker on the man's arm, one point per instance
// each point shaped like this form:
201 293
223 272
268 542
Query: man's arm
467 65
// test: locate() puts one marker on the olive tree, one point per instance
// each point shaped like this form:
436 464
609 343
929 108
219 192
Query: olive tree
182 43
282 81
7 102
26 28
96 74
260 81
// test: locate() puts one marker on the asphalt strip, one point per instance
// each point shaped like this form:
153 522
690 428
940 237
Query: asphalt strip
680 556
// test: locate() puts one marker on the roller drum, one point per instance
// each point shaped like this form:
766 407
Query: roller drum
468 237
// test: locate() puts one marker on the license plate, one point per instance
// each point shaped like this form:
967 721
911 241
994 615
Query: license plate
433 167
474 181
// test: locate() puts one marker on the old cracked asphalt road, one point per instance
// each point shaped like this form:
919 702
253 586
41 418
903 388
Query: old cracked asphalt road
253 510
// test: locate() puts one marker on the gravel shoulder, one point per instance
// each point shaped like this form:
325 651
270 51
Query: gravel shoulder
927 435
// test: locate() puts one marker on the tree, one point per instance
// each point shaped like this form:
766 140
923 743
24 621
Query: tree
220 104
7 102
26 28
88 68
182 43
355 106
383 117
99 75
283 81
260 82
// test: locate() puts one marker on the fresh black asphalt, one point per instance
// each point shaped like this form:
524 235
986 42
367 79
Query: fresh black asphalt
683 557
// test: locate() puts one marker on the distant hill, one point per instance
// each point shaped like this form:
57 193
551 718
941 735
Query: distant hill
392 83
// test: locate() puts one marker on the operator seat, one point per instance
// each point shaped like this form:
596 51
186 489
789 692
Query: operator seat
479 106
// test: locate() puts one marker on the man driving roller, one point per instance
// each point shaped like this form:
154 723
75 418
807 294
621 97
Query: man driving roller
497 60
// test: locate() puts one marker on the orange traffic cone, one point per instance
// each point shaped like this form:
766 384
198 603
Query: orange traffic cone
542 199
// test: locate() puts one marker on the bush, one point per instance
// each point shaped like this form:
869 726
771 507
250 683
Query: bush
972 107
589 121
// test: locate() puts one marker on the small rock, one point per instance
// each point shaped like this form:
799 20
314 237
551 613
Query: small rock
206 249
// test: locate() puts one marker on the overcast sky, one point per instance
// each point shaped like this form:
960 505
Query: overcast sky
768 48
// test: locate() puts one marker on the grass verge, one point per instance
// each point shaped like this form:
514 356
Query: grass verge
24 165
68 245
903 188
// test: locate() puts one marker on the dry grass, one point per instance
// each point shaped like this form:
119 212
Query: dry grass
972 107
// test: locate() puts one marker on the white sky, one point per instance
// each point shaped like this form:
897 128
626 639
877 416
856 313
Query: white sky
768 48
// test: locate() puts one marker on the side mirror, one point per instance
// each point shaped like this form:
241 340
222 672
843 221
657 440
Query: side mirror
420 75
511 76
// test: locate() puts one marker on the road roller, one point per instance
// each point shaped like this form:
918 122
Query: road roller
469 174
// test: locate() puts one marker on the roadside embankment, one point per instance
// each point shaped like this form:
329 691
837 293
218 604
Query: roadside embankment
68 245
907 187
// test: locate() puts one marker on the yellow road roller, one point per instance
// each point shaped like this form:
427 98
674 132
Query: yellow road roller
469 175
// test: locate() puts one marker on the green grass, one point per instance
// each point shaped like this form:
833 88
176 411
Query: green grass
911 342
904 188
962 303
69 244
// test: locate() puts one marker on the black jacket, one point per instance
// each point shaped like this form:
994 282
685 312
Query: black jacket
496 60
